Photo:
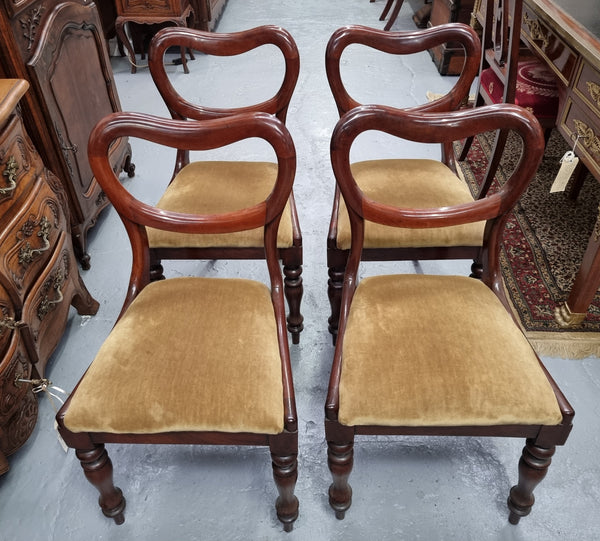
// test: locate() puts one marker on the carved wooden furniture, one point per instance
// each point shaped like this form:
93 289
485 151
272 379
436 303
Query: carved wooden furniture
393 15
207 13
39 278
449 57
437 355
59 48
201 384
510 75
214 186
390 179
151 12
568 41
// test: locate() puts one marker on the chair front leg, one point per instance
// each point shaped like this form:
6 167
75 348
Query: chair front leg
340 459
335 285
98 470
293 290
533 467
284 457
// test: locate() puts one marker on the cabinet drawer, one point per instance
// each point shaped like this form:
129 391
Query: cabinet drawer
20 164
15 364
587 86
577 123
30 236
151 8
47 306
555 52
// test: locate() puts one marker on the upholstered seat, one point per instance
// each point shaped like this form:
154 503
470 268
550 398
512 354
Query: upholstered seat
443 378
410 183
202 371
214 187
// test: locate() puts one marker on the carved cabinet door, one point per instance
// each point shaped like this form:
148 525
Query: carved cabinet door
72 69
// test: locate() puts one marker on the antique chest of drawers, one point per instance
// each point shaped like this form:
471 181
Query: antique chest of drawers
39 277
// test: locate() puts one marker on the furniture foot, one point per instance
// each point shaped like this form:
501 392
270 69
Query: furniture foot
293 293
83 302
565 318
340 458
285 474
98 470
533 467
334 292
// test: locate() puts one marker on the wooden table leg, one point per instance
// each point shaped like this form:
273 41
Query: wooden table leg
572 312
122 37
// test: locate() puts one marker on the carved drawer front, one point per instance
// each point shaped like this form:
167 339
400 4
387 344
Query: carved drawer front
14 365
47 306
556 52
577 124
151 8
8 323
587 86
28 240
20 164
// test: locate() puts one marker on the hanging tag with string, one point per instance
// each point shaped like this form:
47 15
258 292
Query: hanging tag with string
568 163
44 385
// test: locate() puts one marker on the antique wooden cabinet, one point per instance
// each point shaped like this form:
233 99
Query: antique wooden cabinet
59 47
207 13
39 277
449 57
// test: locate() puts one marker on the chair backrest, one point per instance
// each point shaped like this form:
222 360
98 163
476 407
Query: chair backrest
404 43
434 128
194 135
223 44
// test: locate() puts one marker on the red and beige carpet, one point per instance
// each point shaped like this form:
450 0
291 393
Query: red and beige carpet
544 242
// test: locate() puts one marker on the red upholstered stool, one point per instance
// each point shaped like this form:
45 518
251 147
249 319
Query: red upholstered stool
536 89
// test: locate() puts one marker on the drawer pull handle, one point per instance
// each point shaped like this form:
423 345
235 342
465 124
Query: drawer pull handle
10 323
10 172
587 136
594 90
47 305
27 253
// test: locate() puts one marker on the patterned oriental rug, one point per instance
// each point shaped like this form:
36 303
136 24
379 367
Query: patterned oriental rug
544 242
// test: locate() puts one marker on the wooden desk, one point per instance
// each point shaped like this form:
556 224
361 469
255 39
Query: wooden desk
572 50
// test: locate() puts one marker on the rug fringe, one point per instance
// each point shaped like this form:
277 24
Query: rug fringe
568 345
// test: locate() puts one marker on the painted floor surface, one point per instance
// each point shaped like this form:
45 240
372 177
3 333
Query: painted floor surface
404 488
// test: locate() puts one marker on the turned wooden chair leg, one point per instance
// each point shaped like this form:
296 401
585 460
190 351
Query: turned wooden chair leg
293 290
284 457
98 470
533 467
334 292
394 15
340 459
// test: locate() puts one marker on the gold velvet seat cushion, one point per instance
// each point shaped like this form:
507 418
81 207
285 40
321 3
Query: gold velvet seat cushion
218 187
410 184
197 354
438 351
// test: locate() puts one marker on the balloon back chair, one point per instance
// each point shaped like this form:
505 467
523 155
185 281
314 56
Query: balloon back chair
437 355
395 180
209 186
170 370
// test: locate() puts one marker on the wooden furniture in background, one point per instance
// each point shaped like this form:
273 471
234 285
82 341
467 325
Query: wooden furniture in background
217 186
449 57
59 47
151 12
437 355
225 338
39 277
397 180
207 13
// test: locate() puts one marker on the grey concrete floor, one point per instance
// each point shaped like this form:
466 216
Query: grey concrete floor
404 488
